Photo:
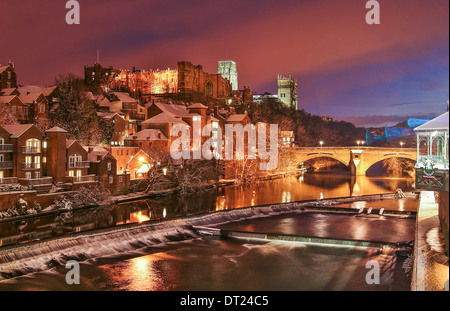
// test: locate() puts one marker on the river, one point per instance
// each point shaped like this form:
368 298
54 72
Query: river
223 264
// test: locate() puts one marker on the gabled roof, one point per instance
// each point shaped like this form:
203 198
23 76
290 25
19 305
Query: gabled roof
125 97
137 154
8 92
174 110
28 89
197 106
3 68
163 118
115 106
29 98
90 96
7 99
211 118
439 123
16 130
236 118
109 115
69 142
148 134
94 152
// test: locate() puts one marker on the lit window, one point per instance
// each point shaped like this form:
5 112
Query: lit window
111 179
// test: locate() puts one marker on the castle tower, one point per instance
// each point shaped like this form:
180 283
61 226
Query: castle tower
287 91
228 70
56 153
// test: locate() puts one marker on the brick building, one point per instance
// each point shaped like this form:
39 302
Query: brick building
8 77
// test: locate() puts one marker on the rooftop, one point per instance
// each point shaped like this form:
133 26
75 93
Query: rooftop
439 123
163 118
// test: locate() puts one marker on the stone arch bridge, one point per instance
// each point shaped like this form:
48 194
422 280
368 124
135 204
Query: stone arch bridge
358 159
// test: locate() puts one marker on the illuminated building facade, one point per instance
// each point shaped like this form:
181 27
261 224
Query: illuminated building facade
288 91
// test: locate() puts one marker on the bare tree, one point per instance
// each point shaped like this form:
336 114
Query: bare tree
6 115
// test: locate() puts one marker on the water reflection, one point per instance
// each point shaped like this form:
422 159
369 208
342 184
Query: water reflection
295 188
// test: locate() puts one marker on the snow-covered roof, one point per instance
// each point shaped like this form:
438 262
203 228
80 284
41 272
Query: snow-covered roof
177 111
125 97
8 92
16 130
439 123
95 152
236 118
148 134
163 118
28 89
29 98
7 99
197 106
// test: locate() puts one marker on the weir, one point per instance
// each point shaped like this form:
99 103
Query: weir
307 240
42 255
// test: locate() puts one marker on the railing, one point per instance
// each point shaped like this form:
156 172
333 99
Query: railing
6 148
36 182
80 164
30 150
31 166
82 179
7 164
8 181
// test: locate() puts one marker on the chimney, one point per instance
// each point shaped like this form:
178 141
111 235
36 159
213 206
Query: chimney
99 157
90 149
13 66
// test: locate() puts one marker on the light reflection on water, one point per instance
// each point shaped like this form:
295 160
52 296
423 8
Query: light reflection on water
294 188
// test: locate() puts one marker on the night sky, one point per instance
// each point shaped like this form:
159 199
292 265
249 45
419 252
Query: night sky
365 74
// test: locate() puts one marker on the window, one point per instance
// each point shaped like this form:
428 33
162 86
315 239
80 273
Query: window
25 112
120 179
111 179
2 141
209 88
2 175
14 110
9 75
74 159
37 162
41 108
71 174
28 163
28 175
33 145
37 175
19 111
109 166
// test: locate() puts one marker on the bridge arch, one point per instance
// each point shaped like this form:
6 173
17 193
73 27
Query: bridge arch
371 162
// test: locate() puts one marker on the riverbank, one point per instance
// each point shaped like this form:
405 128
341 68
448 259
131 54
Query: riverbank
431 269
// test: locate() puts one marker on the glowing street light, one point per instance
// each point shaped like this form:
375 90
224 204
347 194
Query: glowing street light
358 142
401 144
321 143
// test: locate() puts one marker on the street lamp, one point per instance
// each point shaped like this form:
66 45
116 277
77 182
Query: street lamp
321 144
401 144
358 142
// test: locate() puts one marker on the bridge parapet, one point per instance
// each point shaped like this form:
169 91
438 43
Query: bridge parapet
358 159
